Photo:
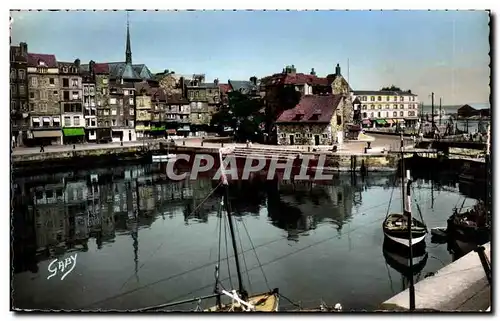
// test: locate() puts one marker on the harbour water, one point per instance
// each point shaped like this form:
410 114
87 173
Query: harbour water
125 238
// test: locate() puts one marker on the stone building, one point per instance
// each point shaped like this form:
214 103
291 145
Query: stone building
89 102
143 115
103 130
213 96
158 107
200 116
71 100
316 120
177 115
19 93
44 107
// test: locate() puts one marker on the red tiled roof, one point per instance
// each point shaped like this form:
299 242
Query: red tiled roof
296 79
224 88
50 60
101 68
314 108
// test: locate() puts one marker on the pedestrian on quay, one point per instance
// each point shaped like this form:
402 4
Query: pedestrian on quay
42 149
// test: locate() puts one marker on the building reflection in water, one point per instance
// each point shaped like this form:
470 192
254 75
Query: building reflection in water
66 212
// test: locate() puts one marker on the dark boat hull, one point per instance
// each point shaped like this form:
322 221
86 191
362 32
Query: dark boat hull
399 236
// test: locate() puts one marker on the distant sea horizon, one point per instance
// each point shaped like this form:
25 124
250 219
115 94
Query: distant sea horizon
452 109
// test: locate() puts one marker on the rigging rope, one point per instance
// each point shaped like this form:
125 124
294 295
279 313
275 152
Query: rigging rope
390 199
211 263
244 259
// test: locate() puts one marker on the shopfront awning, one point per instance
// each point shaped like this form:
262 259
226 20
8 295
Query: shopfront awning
46 119
184 128
171 131
73 132
400 120
390 121
367 122
158 129
46 133
380 121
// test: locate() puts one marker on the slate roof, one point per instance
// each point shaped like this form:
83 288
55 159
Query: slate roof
116 70
176 99
243 86
312 109
50 60
382 93
208 85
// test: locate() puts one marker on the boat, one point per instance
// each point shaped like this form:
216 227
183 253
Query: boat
474 225
163 158
439 232
395 225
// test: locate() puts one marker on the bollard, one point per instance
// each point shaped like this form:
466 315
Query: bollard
183 143
308 148
366 150
74 146
202 142
222 144
121 143
369 144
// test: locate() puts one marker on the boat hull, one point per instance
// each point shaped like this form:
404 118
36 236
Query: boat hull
398 234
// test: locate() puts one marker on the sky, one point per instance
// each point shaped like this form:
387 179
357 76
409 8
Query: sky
445 52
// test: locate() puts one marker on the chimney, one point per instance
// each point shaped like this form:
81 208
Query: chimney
77 63
313 72
92 68
337 70
216 81
24 49
253 79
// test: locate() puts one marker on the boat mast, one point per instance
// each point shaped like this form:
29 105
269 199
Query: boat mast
407 212
242 291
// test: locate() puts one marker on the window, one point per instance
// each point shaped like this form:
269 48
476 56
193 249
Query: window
32 107
131 123
378 114
364 107
65 82
401 114
12 73
141 103
371 115
413 98
379 98
13 89
395 114
99 103
198 104
125 92
21 74
131 111
325 135
74 82
131 101
395 106
339 120
92 122
56 121
379 106
67 121
395 98
112 101
106 112
76 120
113 122
105 81
387 115
401 98
297 135
401 106
13 105
106 123
22 90
65 95
199 116
363 98
34 81
193 104
372 98
75 95
387 98
113 112
52 81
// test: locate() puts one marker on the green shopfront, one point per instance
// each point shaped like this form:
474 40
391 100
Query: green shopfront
158 132
73 135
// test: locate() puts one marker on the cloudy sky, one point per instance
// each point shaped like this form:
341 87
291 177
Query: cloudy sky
443 52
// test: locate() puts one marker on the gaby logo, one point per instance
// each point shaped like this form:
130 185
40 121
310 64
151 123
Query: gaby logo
63 267
296 168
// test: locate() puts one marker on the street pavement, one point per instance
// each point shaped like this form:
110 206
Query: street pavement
380 142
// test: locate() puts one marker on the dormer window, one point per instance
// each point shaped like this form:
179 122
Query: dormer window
41 63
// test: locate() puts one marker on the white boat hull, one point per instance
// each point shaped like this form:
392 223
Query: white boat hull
406 242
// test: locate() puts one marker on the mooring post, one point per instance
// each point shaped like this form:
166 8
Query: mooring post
222 144
183 143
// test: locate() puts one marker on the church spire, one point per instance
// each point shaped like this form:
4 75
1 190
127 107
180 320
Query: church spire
128 51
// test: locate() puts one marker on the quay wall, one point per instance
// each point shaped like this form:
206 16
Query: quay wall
459 286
